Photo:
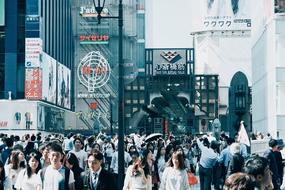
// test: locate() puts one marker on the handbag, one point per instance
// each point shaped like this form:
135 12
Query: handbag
192 180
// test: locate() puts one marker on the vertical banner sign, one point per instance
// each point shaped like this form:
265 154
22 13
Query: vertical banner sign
33 83
33 52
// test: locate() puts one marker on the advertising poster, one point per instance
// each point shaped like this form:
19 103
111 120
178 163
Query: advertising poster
223 15
279 6
33 83
49 78
17 116
63 86
33 50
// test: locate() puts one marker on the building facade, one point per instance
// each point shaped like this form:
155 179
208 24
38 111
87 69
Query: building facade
37 63
96 63
268 51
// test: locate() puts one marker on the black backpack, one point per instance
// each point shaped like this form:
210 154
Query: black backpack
66 176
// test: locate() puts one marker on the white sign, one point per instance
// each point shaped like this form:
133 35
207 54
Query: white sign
222 15
93 71
33 50
89 11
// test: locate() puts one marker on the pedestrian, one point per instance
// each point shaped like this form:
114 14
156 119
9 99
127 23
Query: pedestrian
28 179
258 168
236 161
56 176
160 162
269 155
5 183
239 181
72 163
137 176
97 178
175 175
79 153
13 167
207 161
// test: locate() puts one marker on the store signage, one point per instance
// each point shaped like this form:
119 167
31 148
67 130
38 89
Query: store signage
93 71
89 11
225 15
171 64
94 39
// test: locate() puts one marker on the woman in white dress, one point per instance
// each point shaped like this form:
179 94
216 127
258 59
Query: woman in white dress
175 175
29 179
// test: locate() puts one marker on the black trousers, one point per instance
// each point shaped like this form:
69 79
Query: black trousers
205 175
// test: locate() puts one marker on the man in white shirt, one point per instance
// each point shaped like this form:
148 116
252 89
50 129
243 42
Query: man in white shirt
56 176
207 161
79 153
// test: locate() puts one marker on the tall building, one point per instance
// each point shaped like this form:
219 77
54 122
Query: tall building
268 52
36 61
96 62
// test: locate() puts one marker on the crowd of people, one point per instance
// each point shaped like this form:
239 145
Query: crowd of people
77 162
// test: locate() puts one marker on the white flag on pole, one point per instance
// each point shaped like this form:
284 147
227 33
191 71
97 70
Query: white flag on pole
242 135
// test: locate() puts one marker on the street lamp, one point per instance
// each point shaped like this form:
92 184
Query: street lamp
99 6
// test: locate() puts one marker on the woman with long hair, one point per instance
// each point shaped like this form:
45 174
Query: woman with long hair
137 175
13 166
28 179
175 175
72 163
160 163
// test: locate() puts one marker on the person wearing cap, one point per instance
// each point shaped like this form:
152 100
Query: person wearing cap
269 155
97 178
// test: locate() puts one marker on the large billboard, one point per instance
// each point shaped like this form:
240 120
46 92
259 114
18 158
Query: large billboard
63 86
222 15
49 78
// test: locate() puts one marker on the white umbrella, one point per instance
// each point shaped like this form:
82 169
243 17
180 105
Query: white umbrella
152 137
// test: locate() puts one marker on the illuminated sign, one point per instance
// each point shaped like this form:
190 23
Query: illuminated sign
94 39
93 71
33 83
89 11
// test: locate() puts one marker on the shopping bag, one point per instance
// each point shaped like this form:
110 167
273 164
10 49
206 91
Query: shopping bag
192 180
